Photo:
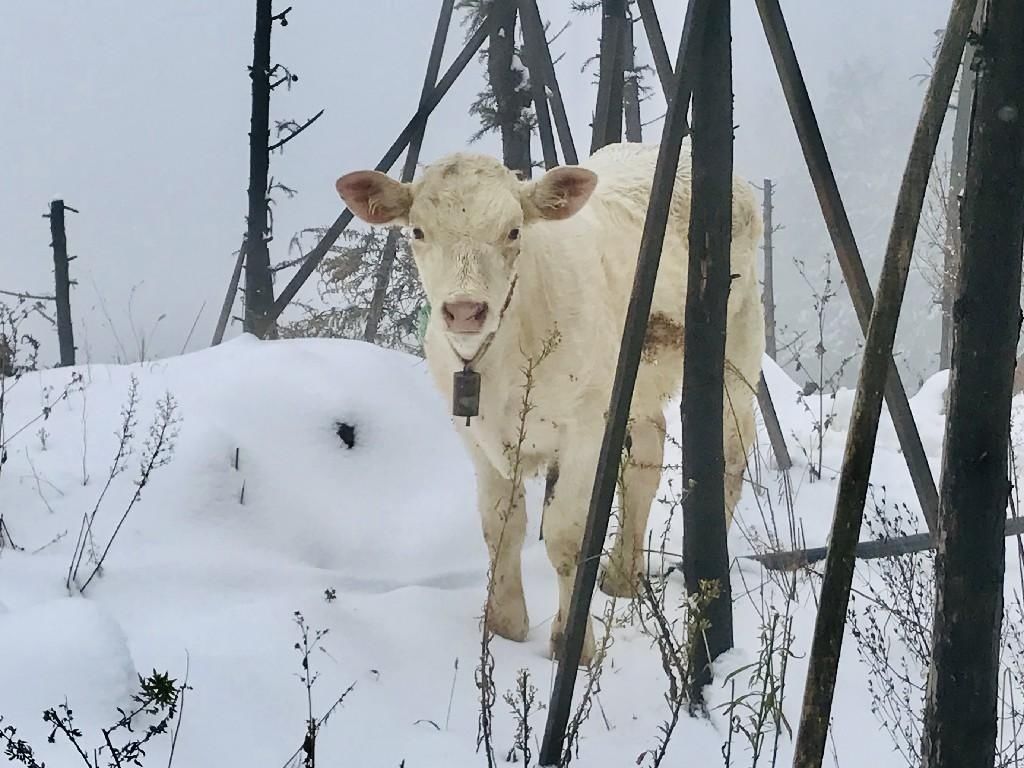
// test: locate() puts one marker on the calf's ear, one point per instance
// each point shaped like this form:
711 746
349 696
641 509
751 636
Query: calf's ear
559 193
375 197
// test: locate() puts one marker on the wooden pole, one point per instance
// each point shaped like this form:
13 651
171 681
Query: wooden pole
415 124
656 41
845 243
533 29
608 111
773 426
830 623
768 297
705 550
382 276
634 331
62 282
960 726
229 298
533 54
957 173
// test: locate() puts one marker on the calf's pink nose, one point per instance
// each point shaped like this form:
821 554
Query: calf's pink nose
464 316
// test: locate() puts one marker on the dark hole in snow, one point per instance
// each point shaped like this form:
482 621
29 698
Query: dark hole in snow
347 433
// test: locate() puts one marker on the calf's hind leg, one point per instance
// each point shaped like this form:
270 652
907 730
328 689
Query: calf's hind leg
641 477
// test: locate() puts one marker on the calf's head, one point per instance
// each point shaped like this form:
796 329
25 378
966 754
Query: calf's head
466 217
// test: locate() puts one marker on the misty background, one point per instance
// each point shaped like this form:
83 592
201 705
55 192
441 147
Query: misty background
137 114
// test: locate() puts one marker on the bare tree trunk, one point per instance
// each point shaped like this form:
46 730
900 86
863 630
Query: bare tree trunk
769 274
259 284
631 89
705 552
957 174
62 283
511 95
960 712
608 110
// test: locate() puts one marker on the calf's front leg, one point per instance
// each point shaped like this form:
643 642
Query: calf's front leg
503 515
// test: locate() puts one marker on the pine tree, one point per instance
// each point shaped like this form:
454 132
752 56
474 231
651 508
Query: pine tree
346 285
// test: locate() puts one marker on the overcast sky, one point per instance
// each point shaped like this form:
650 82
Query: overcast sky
136 112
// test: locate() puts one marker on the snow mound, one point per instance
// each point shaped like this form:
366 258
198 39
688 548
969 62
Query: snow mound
66 649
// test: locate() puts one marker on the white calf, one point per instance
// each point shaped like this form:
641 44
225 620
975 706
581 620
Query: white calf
505 264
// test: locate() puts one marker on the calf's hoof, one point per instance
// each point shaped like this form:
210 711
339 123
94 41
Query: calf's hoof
617 581
555 648
509 620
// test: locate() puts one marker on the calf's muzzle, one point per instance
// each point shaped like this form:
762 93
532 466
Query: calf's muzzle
464 316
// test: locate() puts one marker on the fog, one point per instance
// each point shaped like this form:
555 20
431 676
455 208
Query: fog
136 113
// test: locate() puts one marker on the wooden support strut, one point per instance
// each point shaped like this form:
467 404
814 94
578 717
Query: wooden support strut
533 30
834 212
830 623
534 55
415 124
634 331
387 263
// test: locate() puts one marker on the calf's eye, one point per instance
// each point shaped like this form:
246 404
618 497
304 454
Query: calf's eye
513 234
417 233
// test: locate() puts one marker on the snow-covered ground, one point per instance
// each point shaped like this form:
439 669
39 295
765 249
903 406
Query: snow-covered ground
263 510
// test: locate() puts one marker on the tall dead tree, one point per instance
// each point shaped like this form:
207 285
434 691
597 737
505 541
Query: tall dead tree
259 274
62 281
957 175
705 553
631 87
611 77
259 280
768 297
504 104
963 682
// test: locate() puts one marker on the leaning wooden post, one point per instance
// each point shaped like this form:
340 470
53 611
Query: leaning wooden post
838 223
611 79
533 29
830 623
656 41
382 276
634 331
960 725
229 298
62 281
957 173
533 53
316 255
705 550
